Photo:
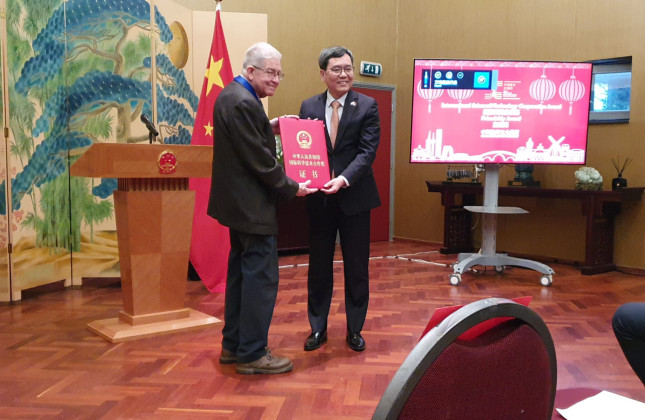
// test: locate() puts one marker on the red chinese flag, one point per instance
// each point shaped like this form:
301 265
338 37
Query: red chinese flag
210 245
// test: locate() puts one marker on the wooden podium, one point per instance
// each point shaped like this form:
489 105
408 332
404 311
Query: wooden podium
154 216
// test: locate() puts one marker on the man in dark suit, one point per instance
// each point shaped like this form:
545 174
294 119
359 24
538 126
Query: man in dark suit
628 324
343 206
246 184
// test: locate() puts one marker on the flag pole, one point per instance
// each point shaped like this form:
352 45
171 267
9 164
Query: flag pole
210 241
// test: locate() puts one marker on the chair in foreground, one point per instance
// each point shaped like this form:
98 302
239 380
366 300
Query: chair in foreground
474 365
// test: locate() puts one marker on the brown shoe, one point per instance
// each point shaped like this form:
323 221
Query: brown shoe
266 364
227 357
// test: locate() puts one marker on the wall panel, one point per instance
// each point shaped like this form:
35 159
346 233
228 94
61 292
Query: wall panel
394 33
539 30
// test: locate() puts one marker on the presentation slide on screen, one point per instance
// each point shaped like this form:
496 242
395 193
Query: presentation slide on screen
500 112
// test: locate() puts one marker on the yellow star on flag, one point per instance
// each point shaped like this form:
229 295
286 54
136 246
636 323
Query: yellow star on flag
209 129
212 74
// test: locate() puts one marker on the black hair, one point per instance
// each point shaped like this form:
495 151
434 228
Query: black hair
332 52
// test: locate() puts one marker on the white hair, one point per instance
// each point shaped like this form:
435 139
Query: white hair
257 54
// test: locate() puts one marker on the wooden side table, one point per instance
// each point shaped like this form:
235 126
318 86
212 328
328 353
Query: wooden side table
599 208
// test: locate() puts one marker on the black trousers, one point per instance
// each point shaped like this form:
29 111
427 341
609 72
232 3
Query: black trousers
629 327
325 221
251 291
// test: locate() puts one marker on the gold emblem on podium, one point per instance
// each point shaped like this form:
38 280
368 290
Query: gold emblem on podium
304 139
167 162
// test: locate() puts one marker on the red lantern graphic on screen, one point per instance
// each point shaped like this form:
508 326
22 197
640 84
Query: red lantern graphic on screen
542 89
572 90
429 94
460 95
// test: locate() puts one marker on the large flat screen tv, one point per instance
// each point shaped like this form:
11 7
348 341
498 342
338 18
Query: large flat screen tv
476 111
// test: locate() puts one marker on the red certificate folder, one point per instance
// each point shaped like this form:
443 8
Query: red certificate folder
305 150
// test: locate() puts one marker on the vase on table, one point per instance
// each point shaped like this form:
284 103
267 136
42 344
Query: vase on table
618 183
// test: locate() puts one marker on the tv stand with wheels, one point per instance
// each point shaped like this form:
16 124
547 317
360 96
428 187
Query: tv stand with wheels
488 255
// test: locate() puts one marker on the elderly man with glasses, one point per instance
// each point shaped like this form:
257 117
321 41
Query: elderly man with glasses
247 183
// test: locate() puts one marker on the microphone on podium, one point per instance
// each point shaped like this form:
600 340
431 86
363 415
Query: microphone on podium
151 128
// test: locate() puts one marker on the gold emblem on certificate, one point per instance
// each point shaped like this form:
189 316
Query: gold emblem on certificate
304 139
304 150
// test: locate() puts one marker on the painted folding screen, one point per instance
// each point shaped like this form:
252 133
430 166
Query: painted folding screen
80 72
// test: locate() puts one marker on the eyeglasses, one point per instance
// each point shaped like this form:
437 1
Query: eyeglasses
336 71
272 73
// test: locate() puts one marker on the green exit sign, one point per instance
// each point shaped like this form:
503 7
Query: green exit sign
371 69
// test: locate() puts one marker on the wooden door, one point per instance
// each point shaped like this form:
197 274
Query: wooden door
381 224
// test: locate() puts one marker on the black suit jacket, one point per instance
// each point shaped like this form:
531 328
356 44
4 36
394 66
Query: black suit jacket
247 179
358 137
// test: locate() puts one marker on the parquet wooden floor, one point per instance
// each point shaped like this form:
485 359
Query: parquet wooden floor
52 367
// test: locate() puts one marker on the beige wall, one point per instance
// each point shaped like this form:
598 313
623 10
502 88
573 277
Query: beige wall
301 28
395 32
